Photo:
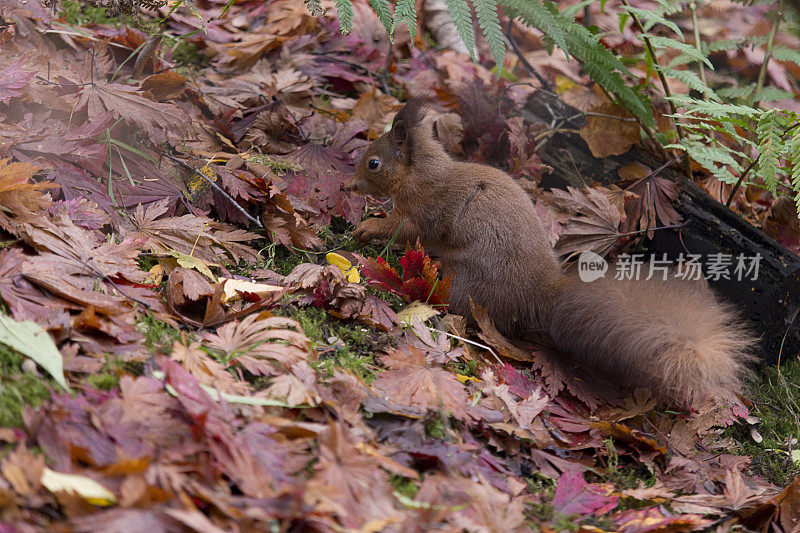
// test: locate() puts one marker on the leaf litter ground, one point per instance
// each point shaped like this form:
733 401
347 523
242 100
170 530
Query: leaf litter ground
165 225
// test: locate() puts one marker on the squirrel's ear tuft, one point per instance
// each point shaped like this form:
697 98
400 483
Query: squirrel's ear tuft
407 119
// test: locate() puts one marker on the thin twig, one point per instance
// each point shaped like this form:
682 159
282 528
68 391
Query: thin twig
546 85
762 74
219 189
742 176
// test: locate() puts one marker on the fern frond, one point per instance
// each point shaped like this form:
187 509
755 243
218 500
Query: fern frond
344 8
737 91
715 159
405 10
717 110
540 16
605 68
651 18
315 8
769 144
794 162
786 54
686 49
488 20
462 18
691 80
770 94
381 8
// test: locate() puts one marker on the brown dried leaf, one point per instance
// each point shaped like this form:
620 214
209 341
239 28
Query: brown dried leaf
593 224
612 131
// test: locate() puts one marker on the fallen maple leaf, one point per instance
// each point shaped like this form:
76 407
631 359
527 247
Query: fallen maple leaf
410 380
574 496
593 223
262 346
163 122
190 235
420 280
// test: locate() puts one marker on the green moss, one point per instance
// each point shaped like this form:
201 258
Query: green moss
105 381
775 392
18 389
187 54
159 336
81 13
342 344
404 485
435 428
621 473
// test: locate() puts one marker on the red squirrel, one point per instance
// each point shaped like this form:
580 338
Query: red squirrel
673 337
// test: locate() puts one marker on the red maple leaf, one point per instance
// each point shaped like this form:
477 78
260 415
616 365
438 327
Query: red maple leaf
419 281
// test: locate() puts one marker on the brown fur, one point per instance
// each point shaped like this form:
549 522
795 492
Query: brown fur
672 337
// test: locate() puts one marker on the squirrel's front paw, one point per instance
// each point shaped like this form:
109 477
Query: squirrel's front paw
372 228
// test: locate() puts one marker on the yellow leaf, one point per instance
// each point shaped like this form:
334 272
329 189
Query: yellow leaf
348 270
463 379
416 309
87 488
156 274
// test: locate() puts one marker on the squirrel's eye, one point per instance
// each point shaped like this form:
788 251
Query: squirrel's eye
374 164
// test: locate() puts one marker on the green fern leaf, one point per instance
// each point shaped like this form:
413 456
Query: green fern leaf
686 49
737 91
486 11
769 145
381 8
315 8
344 8
462 18
717 160
691 80
651 18
794 161
605 68
785 54
770 94
540 16
405 10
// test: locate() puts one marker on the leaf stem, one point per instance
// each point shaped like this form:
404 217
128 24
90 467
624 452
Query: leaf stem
762 74
742 176
697 43
661 76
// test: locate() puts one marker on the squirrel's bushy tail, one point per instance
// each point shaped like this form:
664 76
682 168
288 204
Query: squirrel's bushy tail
673 337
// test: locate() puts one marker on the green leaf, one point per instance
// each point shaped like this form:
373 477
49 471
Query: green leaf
686 49
405 10
31 340
794 161
462 18
769 144
691 80
486 11
381 8
344 8
540 16
605 68
651 18
785 54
